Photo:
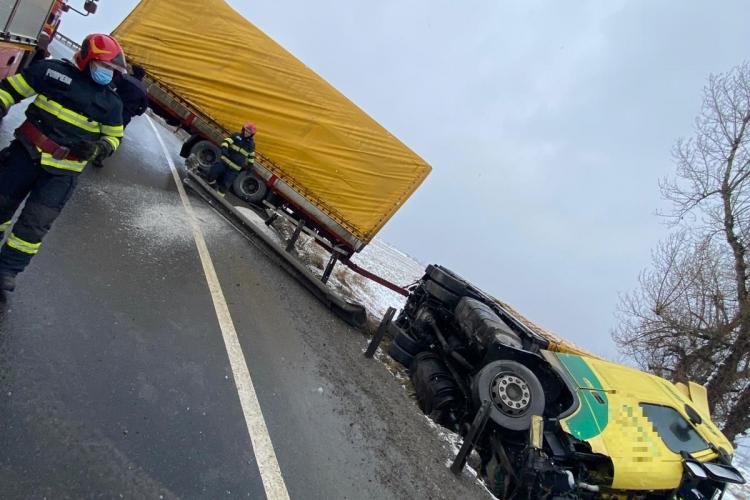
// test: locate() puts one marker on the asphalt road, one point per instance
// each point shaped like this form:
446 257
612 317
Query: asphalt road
115 381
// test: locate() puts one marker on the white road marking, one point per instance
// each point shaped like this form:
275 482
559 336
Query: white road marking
270 473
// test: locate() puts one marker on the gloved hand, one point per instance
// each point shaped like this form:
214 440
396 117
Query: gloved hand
90 150
85 150
105 149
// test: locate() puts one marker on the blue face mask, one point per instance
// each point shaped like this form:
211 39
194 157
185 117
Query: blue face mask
101 74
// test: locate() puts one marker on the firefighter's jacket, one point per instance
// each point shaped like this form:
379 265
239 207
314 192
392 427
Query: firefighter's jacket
69 108
238 151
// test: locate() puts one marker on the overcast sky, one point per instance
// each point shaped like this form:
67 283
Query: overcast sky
548 125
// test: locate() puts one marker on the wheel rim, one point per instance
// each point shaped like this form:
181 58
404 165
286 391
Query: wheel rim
207 157
250 185
510 394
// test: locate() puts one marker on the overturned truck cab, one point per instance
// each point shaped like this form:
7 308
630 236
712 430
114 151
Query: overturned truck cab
558 422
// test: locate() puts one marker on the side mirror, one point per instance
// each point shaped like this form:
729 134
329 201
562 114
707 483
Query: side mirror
90 6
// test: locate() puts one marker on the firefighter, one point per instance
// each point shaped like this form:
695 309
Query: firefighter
75 117
237 154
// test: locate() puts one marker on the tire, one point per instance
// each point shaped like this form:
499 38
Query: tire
206 153
514 391
447 279
409 343
441 294
250 187
436 390
400 355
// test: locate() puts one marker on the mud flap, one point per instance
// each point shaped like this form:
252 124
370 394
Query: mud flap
353 313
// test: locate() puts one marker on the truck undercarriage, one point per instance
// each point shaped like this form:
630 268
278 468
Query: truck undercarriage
481 372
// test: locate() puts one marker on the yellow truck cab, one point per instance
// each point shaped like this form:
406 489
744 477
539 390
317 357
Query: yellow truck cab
646 426
547 419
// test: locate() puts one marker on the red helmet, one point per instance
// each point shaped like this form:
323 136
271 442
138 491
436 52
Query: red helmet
249 128
103 49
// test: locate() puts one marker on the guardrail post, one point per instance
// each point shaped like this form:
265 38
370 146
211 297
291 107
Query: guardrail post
329 267
271 219
295 236
378 338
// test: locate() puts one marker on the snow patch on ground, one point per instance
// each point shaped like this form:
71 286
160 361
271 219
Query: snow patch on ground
382 259
742 462
378 257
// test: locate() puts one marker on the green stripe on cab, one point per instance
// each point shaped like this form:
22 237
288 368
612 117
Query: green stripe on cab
593 413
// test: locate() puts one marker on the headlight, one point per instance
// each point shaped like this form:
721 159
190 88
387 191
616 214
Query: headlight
695 470
723 473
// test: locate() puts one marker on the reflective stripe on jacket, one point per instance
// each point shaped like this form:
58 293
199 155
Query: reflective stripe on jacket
69 108
238 151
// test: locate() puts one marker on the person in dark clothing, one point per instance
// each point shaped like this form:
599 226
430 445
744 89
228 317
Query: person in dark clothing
75 117
237 154
133 93
134 97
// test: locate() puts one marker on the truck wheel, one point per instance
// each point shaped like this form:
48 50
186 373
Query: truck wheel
205 153
435 389
442 294
447 279
400 355
514 391
250 187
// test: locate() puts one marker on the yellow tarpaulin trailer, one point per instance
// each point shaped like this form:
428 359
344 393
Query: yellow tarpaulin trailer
318 141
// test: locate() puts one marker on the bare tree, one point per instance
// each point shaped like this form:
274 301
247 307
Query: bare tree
690 317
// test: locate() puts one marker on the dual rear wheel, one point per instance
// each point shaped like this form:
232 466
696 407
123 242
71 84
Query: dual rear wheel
248 186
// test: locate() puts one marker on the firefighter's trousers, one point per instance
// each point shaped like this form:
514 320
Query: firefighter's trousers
21 176
223 173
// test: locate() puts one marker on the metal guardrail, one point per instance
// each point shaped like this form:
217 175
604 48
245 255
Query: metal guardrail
68 42
352 312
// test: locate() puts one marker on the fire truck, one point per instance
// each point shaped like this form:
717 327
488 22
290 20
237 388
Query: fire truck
27 28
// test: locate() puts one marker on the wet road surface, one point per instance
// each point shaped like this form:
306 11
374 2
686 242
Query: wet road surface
115 381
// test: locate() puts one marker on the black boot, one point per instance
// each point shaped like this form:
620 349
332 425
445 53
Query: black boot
7 281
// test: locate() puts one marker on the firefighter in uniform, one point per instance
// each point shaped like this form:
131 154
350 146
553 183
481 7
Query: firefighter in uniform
237 154
74 118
